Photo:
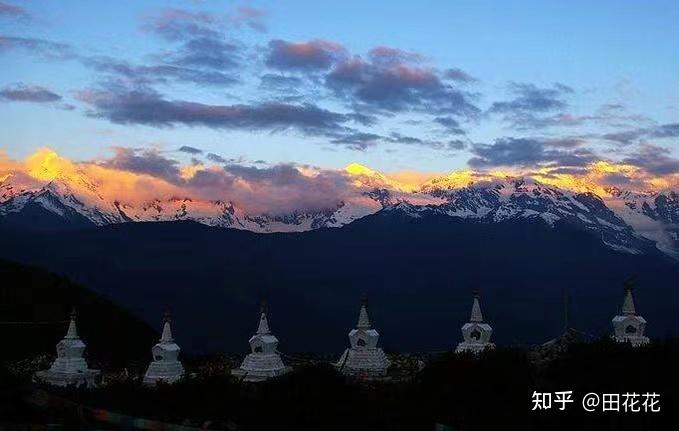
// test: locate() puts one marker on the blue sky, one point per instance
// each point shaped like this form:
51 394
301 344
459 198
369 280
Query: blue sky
536 83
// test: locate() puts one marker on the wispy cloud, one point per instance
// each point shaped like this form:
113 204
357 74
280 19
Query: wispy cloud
312 55
391 80
530 103
157 73
41 47
640 135
24 93
529 152
150 108
13 11
190 150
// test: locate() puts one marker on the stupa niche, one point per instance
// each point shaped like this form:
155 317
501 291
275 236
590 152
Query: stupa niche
476 333
263 362
69 368
629 327
165 366
363 358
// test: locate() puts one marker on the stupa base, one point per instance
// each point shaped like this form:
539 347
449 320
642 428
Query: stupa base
170 372
87 378
635 341
259 375
367 364
475 348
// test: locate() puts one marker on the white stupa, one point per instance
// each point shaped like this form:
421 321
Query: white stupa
629 327
264 361
69 368
165 366
476 332
364 359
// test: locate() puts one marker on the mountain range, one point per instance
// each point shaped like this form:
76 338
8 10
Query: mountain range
416 251
627 221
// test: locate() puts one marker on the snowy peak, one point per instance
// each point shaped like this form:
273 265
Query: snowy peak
654 215
627 221
521 198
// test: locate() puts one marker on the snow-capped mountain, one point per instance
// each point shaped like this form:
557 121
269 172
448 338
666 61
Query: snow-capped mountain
625 221
512 199
654 215
60 197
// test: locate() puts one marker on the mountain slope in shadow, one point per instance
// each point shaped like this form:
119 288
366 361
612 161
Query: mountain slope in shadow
417 272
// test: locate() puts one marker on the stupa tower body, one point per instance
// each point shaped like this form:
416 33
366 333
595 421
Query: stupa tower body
363 358
165 366
263 362
476 333
70 367
629 327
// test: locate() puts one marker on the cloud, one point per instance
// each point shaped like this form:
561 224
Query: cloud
41 47
457 144
190 150
529 97
307 56
12 11
23 93
639 135
666 131
459 75
209 52
393 56
390 82
204 53
160 73
398 138
363 140
654 159
249 16
215 158
147 107
144 162
387 81
179 24
285 188
357 140
530 103
527 152
564 142
450 124
612 115
291 85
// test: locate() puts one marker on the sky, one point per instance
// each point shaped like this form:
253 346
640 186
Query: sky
420 87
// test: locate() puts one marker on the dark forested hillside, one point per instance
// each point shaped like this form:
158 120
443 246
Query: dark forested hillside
34 309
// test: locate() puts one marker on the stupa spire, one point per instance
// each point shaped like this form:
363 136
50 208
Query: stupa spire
72 332
166 336
363 318
628 307
476 315
263 327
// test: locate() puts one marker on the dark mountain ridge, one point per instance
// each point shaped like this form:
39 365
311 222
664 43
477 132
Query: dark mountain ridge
417 271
